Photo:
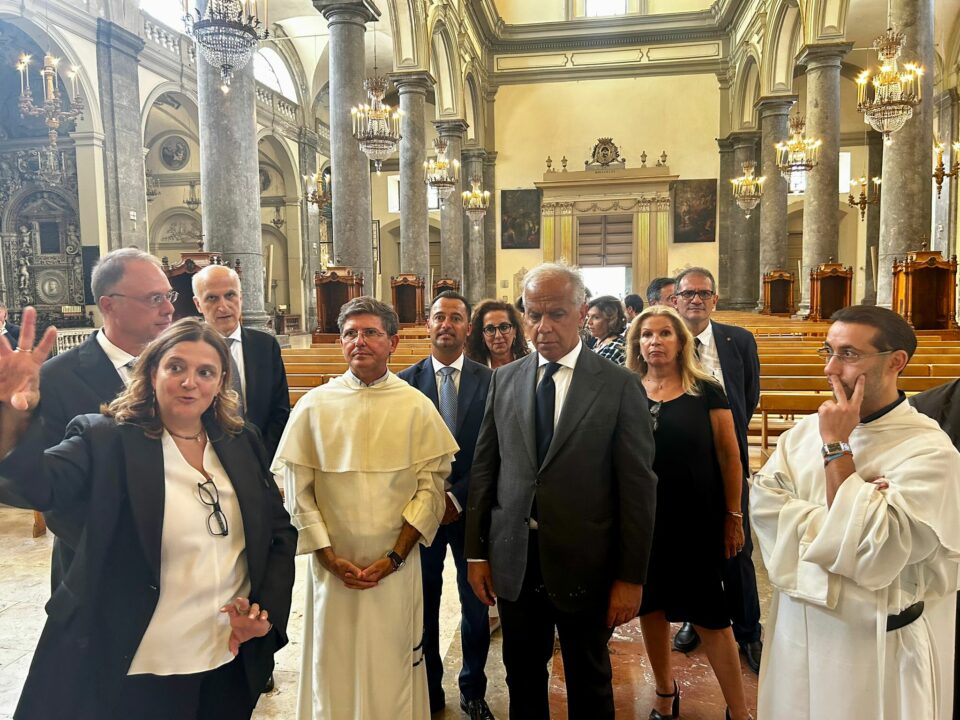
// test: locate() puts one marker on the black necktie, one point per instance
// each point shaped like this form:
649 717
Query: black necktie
546 403
697 343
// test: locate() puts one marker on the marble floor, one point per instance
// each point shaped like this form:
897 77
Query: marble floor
24 588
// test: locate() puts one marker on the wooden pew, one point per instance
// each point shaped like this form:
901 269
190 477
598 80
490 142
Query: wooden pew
781 383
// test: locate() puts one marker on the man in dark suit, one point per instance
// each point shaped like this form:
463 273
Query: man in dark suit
729 353
458 388
7 328
561 504
259 376
136 303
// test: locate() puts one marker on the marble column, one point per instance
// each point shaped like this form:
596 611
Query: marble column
774 128
308 142
821 221
230 185
118 65
352 244
905 211
725 206
451 212
474 252
874 167
741 291
945 207
414 217
490 227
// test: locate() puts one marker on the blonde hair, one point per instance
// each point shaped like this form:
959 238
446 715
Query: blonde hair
691 374
137 405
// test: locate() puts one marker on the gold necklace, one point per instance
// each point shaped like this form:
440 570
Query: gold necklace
196 438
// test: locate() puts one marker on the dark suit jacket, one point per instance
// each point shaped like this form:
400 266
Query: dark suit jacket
740 364
942 403
471 400
595 492
13 333
99 613
268 397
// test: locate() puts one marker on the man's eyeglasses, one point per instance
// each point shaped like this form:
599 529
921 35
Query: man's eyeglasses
211 497
847 356
154 300
502 328
655 414
368 334
690 294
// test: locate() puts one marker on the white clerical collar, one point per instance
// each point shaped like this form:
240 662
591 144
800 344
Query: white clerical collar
355 382
569 360
235 335
706 337
117 357
456 364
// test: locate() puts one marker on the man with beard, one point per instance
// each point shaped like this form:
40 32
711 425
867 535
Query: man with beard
860 541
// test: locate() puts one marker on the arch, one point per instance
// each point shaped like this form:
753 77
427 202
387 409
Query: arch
780 48
291 59
473 111
445 67
270 69
165 220
287 165
271 236
160 90
747 93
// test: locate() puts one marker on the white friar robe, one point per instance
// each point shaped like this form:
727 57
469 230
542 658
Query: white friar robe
357 461
838 572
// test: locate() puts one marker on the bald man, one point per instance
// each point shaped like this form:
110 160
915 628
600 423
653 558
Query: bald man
255 355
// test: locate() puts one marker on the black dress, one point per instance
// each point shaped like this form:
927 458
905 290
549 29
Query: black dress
684 579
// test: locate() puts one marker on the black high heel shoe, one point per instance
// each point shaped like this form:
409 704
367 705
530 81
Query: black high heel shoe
674 711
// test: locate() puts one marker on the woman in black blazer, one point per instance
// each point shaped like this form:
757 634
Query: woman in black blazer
180 591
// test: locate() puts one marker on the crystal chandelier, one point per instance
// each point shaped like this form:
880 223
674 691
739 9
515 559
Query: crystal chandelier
747 189
441 174
865 198
376 126
227 33
895 93
476 202
51 169
940 171
799 154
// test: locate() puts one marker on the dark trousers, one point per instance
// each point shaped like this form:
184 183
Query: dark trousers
474 625
740 583
528 625
221 694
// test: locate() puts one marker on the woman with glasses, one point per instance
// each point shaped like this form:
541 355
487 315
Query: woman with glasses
179 593
496 336
606 322
698 521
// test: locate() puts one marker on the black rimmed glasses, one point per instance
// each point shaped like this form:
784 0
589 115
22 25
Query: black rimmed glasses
655 414
689 295
847 356
153 300
502 328
209 496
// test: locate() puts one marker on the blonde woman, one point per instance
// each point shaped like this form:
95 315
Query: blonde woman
698 521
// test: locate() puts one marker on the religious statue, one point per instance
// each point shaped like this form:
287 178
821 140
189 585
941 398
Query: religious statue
73 239
24 275
26 240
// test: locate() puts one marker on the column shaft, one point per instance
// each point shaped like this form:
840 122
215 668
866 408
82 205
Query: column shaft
451 212
774 128
874 168
725 207
309 227
490 227
474 251
742 289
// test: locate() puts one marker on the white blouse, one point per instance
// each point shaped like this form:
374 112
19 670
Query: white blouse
199 572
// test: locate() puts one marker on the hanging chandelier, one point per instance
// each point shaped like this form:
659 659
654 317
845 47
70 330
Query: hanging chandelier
799 154
747 189
476 202
227 33
441 174
895 93
376 126
865 198
940 171
318 192
191 200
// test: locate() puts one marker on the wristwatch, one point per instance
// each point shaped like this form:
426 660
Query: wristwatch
394 557
835 448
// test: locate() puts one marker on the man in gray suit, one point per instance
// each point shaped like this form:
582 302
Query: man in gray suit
561 503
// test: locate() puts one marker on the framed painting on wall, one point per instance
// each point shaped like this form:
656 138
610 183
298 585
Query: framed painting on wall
694 211
520 219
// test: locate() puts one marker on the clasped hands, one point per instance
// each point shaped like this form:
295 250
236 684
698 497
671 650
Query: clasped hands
352 576
246 622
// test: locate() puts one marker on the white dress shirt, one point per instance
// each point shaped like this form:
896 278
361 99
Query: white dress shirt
457 365
199 572
709 357
236 352
120 359
561 378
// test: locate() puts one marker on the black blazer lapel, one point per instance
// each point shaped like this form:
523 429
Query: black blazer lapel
584 387
145 487
525 398
468 389
252 379
96 371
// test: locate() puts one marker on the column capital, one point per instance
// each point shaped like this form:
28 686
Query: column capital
823 54
118 38
350 11
412 81
490 158
451 128
725 144
775 105
743 139
476 154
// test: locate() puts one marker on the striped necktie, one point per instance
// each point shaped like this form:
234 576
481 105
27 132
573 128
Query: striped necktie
448 398
235 382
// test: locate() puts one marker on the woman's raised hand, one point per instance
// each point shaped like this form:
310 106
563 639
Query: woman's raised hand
20 368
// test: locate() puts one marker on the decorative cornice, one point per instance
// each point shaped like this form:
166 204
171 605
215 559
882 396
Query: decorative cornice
117 38
775 104
354 10
820 54
416 81
451 128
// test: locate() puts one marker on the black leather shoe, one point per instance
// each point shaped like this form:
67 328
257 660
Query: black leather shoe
686 639
675 708
476 709
270 684
752 651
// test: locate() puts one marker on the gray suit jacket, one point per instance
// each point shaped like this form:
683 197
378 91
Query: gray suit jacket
595 492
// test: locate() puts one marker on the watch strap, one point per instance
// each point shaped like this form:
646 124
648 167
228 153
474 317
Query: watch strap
835 448
394 557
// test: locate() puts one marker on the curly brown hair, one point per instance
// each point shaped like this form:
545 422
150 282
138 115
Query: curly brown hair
476 348
137 405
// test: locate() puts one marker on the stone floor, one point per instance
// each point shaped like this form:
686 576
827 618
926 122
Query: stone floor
24 573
